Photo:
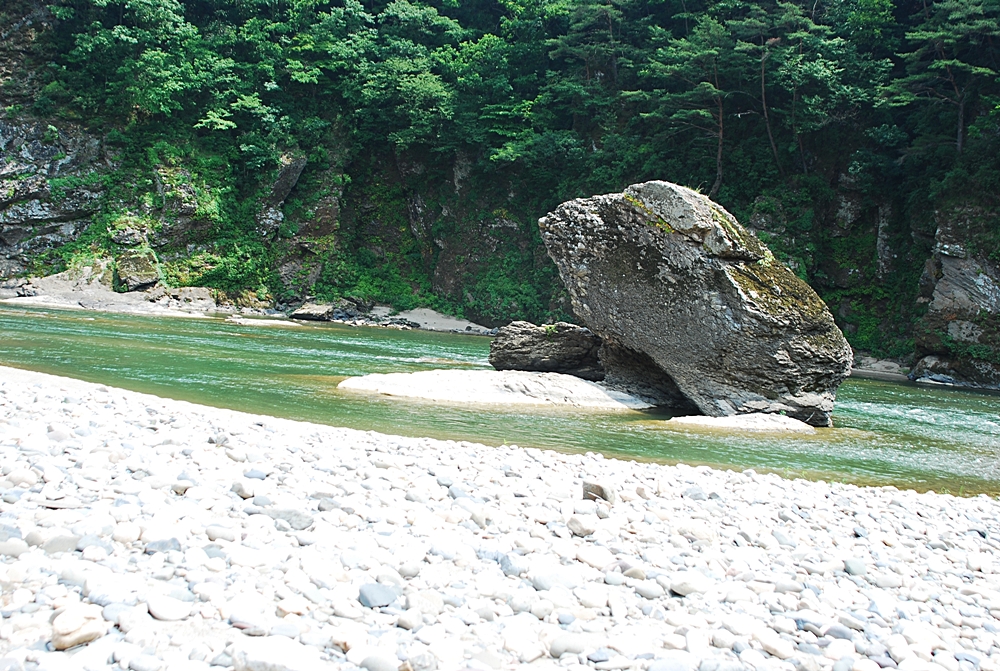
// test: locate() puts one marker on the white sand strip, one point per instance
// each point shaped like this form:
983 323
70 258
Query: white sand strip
508 387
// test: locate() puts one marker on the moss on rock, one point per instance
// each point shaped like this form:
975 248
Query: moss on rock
136 269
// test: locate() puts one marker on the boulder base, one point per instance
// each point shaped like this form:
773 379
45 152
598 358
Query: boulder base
554 348
685 294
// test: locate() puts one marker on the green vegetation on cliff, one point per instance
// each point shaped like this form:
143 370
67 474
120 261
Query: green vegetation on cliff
435 133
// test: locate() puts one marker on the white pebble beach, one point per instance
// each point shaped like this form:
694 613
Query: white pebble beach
151 534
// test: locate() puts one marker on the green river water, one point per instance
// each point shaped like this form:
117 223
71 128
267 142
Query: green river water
904 435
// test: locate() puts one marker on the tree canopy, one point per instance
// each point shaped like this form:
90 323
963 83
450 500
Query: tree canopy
769 106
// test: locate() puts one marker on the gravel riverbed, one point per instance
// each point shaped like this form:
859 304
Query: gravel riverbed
146 534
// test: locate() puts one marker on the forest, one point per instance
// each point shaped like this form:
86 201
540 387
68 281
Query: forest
841 131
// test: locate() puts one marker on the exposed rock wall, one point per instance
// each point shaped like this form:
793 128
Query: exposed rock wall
49 188
958 338
663 271
301 258
469 234
270 217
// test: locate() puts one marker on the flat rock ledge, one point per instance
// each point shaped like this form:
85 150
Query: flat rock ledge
551 348
496 387
143 533
758 422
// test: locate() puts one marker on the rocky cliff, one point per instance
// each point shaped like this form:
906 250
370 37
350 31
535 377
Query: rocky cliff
50 185
958 339
663 274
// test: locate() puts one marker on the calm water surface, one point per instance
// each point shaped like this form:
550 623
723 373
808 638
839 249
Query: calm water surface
904 435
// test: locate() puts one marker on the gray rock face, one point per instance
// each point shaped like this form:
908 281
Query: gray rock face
636 373
959 336
558 348
39 207
662 272
271 217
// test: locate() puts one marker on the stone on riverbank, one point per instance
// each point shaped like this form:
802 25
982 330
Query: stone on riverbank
136 269
553 348
323 312
498 387
662 273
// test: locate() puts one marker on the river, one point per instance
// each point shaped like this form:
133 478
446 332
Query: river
886 434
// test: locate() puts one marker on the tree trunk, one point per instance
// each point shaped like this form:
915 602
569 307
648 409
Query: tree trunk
718 155
960 139
767 119
795 125
795 131
614 57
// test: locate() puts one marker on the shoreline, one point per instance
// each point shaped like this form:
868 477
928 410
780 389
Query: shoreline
433 321
81 289
167 535
879 375
429 320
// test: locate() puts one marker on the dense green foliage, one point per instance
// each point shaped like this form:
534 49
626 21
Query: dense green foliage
775 108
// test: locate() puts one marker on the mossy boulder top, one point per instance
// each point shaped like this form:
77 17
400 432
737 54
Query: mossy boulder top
663 274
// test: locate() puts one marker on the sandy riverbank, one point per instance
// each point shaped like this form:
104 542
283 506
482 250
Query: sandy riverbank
144 533
83 289
431 320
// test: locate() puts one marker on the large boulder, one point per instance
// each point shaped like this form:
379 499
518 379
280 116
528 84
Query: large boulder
553 348
684 295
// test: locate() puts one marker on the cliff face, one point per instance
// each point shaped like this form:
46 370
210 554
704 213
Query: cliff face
50 185
432 228
958 339
50 173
